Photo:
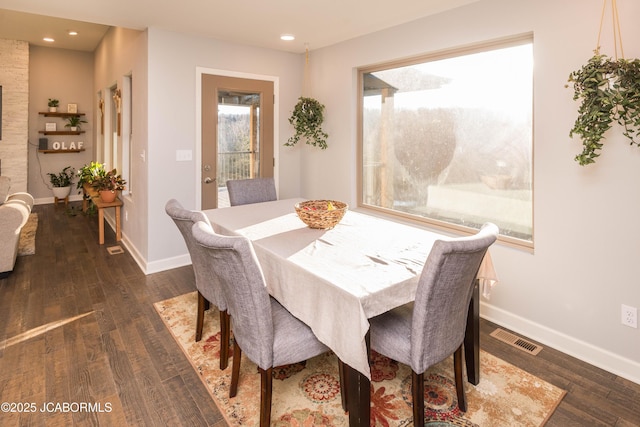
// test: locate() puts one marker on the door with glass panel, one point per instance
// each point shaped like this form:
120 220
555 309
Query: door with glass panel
237 134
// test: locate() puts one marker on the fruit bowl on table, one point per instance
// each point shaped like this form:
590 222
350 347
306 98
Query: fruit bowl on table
321 214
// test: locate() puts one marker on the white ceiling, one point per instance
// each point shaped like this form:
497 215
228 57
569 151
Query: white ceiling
255 22
32 28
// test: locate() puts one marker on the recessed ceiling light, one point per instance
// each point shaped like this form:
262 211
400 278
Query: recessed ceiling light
287 37
72 33
48 39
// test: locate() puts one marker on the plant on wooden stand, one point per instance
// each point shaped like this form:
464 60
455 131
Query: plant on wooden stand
61 182
86 175
108 185
89 172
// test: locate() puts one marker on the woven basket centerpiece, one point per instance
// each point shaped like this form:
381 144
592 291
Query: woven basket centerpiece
322 214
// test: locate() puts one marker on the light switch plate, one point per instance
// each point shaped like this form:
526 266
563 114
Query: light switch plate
183 155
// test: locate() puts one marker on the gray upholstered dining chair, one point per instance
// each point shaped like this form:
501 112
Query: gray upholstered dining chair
427 331
207 286
245 191
265 331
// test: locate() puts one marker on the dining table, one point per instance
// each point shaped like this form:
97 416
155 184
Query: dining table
335 279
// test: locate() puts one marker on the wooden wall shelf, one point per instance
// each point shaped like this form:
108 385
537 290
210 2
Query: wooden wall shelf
61 132
77 150
48 114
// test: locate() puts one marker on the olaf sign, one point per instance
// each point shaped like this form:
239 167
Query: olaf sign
68 145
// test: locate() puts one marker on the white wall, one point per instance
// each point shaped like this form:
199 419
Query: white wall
172 104
122 53
567 293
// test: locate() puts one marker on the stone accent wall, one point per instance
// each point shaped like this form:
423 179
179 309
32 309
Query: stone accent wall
14 79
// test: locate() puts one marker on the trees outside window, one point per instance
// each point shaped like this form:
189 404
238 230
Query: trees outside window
448 138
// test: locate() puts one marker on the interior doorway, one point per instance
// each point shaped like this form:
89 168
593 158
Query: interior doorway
237 134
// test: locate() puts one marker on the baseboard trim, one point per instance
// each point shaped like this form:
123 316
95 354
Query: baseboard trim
149 267
584 351
133 251
51 200
152 267
155 266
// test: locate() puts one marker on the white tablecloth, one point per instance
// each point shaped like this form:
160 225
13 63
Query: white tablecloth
333 280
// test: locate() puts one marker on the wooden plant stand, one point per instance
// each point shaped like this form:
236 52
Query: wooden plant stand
65 200
101 206
88 192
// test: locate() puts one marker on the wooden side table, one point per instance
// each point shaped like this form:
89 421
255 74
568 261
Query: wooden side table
88 191
101 206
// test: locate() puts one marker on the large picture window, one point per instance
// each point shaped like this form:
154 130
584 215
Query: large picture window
448 138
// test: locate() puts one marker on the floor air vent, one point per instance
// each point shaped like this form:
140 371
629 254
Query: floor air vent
114 250
516 341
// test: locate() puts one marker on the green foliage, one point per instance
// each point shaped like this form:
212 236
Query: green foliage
62 179
53 102
74 121
92 210
111 181
609 91
307 118
88 173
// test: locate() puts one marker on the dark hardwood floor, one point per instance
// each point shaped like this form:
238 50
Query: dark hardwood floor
78 325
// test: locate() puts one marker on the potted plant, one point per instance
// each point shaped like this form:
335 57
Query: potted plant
108 185
61 182
88 173
307 118
53 105
609 91
74 123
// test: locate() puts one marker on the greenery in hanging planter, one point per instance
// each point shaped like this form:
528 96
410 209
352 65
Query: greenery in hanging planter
307 118
609 91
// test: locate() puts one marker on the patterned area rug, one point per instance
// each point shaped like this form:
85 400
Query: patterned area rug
27 242
308 394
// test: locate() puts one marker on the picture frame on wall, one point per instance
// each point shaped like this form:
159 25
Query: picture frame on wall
72 108
50 127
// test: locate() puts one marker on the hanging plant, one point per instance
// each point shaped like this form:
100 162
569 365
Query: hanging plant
609 91
307 118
